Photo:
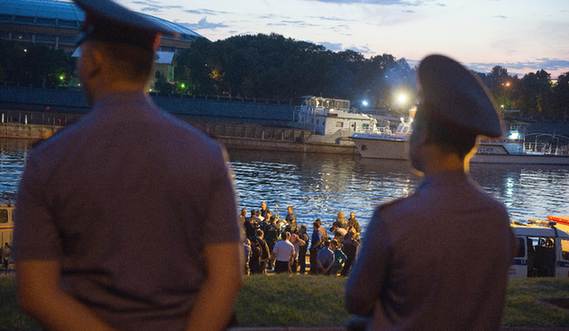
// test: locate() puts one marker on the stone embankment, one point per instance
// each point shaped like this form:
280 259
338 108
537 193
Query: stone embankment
233 136
27 131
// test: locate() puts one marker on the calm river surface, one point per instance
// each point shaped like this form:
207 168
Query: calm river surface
320 185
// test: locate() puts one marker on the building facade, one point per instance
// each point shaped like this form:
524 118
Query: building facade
57 24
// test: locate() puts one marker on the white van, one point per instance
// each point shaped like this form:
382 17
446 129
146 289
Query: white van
542 250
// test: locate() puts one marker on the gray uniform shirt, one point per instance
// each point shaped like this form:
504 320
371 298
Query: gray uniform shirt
127 199
436 260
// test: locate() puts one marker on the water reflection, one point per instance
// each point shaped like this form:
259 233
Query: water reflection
12 155
321 185
527 191
318 185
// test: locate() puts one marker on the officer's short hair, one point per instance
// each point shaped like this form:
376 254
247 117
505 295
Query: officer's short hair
446 135
129 62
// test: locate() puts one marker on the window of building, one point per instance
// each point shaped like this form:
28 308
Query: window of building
3 216
45 21
67 23
5 18
4 35
68 40
167 49
45 38
565 249
24 19
339 124
521 252
22 36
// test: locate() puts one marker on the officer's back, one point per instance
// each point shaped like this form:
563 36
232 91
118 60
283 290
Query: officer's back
438 259
127 219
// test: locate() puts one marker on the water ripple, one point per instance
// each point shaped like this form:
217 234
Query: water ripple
321 185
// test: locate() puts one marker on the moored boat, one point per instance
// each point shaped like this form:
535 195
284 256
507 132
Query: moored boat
507 151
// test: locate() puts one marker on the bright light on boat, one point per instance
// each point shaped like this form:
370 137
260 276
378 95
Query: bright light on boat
514 135
402 98
365 103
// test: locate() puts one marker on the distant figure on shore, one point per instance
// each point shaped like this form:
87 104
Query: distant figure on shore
325 258
438 259
303 235
284 254
350 247
341 221
290 214
243 216
6 256
353 223
298 243
127 219
316 242
264 209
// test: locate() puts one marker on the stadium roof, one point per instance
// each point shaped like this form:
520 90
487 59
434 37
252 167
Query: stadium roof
21 11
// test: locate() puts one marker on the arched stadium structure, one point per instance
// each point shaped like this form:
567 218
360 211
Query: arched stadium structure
57 24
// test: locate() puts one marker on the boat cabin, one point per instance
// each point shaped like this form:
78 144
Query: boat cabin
325 116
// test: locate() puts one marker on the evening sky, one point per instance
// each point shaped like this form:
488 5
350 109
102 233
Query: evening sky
522 35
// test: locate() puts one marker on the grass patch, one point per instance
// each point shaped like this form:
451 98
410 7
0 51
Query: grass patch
525 306
10 316
283 300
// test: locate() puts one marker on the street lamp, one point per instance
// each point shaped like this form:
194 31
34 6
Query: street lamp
402 99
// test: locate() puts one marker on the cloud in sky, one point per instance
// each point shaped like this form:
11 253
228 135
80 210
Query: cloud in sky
334 47
360 49
203 24
205 11
154 6
374 2
150 9
520 67
333 19
497 32
338 47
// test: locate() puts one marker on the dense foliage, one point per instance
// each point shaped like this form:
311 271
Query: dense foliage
275 67
34 65
535 95
272 66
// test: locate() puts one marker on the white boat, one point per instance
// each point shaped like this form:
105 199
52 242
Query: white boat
507 151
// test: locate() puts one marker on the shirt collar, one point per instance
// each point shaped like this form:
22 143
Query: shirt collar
124 100
446 178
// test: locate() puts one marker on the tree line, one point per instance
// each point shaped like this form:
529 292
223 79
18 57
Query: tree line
274 67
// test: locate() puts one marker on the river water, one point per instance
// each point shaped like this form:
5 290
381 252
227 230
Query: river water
321 185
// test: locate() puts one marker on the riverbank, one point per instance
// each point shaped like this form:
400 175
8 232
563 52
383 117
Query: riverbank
309 301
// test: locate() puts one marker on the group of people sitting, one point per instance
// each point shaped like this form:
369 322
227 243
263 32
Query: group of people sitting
282 245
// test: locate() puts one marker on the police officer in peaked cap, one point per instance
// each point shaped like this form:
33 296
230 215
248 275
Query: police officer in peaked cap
439 258
114 229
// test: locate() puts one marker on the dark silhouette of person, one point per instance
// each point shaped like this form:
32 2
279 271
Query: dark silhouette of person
438 259
114 226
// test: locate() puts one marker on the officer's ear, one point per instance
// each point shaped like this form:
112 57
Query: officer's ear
93 59
156 43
